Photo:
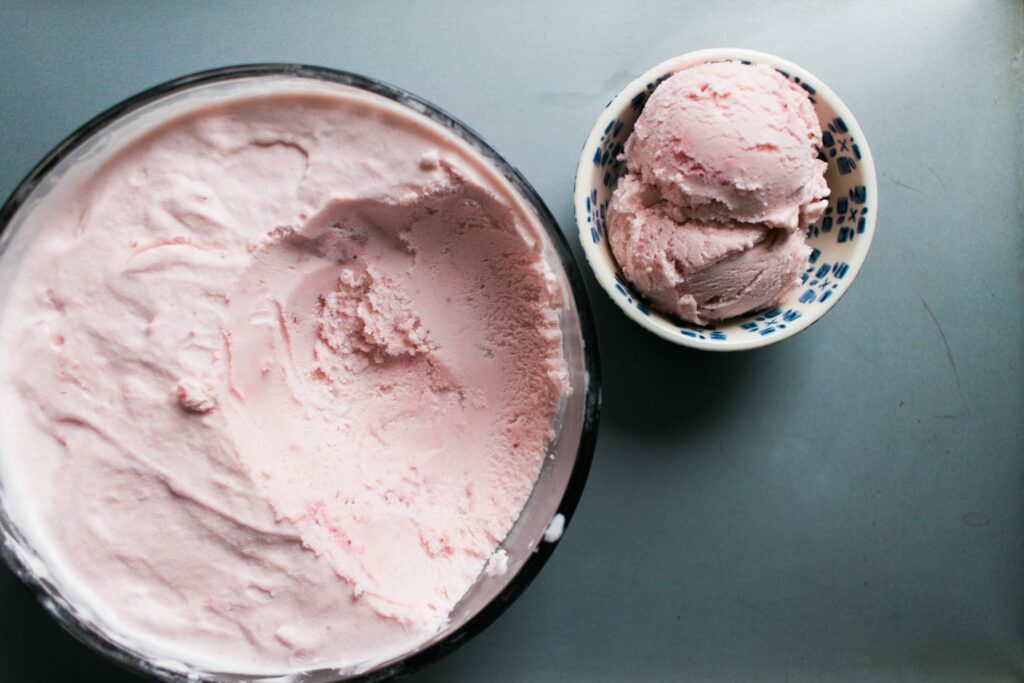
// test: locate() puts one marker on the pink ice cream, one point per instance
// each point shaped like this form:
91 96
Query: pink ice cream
700 270
277 379
723 178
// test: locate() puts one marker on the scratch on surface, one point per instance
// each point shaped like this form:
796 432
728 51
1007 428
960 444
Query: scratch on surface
743 470
949 352
904 185
937 177
752 607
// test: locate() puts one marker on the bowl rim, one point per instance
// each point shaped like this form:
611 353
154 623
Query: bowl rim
97 640
622 99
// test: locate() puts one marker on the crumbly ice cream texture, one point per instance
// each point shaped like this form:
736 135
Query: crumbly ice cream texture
277 380
723 177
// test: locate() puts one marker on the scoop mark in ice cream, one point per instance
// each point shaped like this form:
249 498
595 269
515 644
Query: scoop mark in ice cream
723 178
308 369
194 396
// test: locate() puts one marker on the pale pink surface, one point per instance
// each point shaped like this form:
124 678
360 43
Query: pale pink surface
277 380
732 141
722 180
700 270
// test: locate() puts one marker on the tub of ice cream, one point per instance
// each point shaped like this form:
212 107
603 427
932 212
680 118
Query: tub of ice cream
298 379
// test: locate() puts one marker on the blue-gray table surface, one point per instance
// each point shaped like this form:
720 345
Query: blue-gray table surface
847 505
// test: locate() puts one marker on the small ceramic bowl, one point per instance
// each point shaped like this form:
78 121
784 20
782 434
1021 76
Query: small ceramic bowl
840 240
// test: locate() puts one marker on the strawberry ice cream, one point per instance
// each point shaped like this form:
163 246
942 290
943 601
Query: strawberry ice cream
276 379
723 177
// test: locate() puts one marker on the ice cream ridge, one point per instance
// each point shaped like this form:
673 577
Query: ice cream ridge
722 180
277 379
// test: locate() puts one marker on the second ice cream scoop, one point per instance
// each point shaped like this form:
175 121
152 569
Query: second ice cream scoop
701 270
723 178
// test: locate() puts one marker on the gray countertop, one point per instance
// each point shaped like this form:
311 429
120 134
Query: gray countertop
847 505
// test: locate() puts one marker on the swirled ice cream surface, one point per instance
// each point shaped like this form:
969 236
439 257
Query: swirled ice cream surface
276 380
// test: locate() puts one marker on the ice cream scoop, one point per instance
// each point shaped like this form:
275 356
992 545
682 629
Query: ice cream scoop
722 179
734 142
700 269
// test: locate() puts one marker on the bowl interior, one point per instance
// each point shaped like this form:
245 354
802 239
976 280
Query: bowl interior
563 472
840 240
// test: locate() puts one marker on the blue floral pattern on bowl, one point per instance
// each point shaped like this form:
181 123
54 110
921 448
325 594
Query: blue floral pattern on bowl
839 239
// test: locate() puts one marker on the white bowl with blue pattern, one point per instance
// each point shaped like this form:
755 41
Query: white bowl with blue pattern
840 240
